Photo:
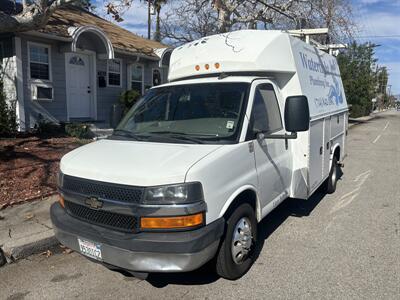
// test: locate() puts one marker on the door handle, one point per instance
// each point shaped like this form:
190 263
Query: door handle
320 150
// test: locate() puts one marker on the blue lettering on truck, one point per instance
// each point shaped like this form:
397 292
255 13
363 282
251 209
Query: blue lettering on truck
334 95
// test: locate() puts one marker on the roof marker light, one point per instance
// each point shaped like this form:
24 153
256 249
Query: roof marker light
207 66
197 67
217 65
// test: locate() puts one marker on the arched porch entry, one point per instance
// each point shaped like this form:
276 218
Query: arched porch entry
89 43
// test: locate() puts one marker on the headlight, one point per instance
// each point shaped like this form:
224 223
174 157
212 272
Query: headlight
174 194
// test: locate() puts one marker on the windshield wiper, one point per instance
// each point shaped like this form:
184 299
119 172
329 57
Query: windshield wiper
126 133
178 135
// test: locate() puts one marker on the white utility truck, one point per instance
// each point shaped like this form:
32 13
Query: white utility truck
248 119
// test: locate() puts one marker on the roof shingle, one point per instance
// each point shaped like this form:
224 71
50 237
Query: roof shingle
120 38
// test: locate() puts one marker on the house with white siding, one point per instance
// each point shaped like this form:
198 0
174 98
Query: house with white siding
75 68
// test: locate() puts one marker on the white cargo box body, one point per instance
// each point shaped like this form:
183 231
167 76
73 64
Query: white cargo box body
297 68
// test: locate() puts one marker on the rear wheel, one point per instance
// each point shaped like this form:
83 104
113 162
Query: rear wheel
333 177
236 254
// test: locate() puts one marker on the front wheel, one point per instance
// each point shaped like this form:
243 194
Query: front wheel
236 254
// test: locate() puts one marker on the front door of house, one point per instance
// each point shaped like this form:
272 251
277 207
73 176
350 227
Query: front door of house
79 90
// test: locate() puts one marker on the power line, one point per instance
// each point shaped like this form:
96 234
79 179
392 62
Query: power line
377 36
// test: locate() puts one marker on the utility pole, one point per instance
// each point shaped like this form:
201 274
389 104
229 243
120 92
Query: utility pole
389 94
149 19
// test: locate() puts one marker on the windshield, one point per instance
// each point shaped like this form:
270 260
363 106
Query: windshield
190 112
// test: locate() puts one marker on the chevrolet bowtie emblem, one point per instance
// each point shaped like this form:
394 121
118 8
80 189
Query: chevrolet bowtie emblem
94 203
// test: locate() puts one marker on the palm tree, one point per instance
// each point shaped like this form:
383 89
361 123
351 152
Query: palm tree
157 5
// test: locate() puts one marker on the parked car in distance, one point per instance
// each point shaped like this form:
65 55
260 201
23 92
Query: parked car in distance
248 119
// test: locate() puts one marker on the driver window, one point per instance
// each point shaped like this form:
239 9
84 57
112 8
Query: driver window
265 115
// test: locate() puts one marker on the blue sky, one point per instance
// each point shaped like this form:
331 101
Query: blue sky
378 21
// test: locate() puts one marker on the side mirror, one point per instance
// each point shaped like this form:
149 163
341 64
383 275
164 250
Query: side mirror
297 114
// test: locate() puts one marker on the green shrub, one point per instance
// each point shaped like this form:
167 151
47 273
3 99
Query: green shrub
8 122
128 99
78 130
48 129
357 111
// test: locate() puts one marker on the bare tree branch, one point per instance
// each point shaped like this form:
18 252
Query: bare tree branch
197 18
32 17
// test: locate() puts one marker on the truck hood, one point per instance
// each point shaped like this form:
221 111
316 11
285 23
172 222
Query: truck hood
134 163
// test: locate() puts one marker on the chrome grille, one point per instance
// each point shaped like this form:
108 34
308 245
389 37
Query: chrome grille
102 218
105 190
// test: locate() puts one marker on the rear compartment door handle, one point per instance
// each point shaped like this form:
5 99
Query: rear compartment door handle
320 150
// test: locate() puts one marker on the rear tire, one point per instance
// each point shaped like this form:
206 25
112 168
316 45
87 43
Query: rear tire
236 254
333 177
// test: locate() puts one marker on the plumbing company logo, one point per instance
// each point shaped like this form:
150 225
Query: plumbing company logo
334 95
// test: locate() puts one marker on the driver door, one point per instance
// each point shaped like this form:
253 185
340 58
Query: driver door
271 156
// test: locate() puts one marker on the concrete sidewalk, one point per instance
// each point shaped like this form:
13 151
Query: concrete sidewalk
26 229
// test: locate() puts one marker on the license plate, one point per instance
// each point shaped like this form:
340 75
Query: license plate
90 249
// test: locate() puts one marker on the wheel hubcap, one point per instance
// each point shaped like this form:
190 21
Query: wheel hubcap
242 240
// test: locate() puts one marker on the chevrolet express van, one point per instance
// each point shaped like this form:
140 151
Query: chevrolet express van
248 119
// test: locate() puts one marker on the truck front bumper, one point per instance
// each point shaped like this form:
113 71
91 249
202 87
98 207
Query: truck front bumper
145 251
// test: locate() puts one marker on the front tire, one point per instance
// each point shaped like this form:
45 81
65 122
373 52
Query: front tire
236 254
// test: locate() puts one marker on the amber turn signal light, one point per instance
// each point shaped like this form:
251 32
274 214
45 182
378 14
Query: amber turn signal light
61 201
171 222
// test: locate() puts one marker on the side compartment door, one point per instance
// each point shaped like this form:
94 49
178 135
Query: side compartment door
272 158
316 153
327 147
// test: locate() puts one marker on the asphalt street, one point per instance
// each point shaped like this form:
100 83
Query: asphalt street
340 246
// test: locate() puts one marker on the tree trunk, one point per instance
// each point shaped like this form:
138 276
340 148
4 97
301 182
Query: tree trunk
224 15
157 34
223 20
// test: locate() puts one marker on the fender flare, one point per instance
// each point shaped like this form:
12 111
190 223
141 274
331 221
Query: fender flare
236 193
337 145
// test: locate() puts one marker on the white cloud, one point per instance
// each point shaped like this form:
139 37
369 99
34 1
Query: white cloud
369 1
382 2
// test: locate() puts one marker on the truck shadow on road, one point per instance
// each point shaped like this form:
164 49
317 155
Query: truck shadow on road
205 275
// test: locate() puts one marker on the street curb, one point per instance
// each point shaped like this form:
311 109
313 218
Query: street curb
25 230
361 120
12 254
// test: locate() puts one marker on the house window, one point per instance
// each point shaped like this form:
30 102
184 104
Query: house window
114 72
39 62
76 60
136 79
